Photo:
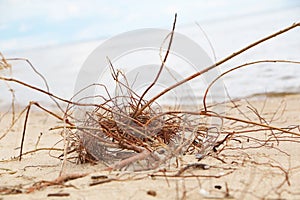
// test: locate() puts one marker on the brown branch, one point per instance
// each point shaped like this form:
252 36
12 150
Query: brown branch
250 122
58 181
210 114
137 111
238 67
24 131
216 64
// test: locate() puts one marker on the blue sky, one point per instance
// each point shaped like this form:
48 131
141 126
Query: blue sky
26 24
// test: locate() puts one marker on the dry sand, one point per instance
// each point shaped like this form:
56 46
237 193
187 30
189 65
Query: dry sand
252 173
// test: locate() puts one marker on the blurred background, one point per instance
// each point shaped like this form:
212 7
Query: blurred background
57 36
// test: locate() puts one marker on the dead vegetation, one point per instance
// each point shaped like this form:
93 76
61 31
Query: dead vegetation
128 132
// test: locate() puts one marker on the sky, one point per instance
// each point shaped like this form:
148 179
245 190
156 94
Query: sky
27 24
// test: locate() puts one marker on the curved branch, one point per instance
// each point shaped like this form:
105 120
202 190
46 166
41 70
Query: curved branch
217 64
137 111
238 67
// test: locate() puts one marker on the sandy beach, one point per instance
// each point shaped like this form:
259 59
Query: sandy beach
133 61
238 172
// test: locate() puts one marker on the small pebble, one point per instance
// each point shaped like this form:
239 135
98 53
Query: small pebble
151 193
219 187
99 177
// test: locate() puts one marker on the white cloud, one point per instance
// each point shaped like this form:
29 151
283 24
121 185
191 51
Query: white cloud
24 27
55 10
3 26
98 18
26 42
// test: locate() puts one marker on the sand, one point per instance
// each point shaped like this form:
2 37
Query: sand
247 174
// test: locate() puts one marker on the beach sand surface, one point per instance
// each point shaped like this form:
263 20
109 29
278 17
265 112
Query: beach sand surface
269 172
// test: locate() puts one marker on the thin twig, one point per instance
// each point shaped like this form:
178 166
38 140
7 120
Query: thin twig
216 65
241 66
137 111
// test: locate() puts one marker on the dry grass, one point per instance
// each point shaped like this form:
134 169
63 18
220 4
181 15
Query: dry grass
128 132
